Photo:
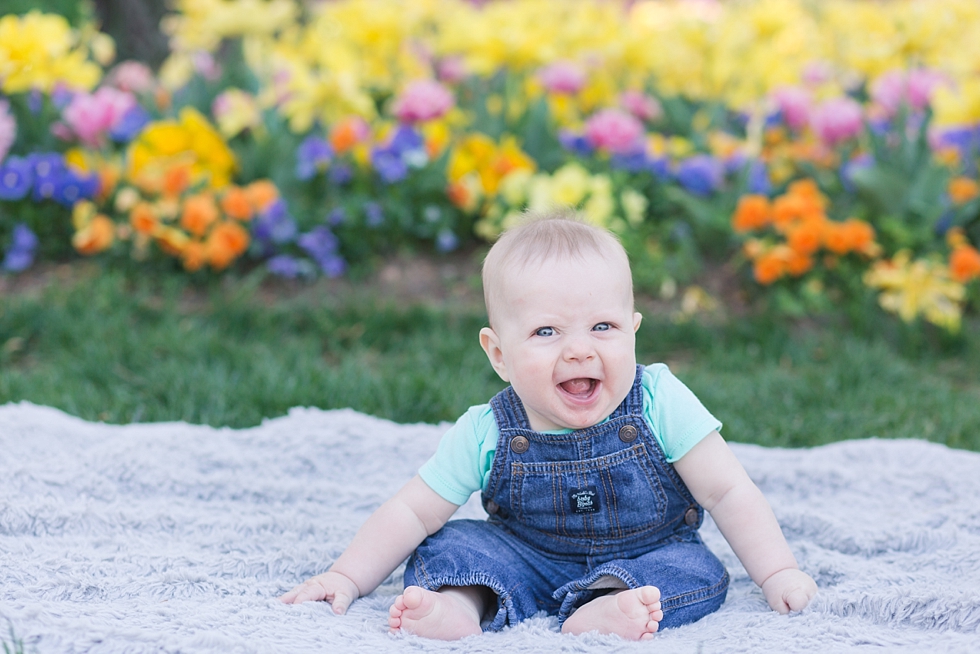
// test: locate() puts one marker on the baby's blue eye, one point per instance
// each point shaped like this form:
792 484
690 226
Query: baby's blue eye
544 331
602 327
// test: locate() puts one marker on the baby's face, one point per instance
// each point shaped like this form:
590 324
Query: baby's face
564 339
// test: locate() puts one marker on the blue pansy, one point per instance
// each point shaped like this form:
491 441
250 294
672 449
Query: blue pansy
390 166
701 174
373 214
274 225
633 162
312 155
446 240
847 170
284 265
758 178
575 143
340 174
130 125
404 140
20 255
16 178
71 186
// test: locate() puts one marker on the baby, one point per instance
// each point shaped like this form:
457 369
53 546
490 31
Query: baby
593 471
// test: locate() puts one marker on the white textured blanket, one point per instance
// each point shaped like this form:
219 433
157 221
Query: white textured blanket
178 538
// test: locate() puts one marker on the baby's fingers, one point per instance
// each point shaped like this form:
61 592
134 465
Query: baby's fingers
340 603
797 599
307 591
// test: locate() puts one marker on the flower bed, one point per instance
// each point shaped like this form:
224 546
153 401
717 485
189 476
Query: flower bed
827 150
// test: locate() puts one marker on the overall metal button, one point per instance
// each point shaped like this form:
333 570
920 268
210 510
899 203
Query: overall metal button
691 517
492 507
628 433
520 444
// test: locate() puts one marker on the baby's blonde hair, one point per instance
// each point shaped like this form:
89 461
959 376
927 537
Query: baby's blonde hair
560 234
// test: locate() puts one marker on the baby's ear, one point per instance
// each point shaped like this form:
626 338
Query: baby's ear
490 343
637 319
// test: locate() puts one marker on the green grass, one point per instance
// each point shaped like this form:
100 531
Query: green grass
119 348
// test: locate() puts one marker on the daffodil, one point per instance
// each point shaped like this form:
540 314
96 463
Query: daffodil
41 51
920 287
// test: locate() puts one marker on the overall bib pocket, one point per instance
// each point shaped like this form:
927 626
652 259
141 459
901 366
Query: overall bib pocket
607 497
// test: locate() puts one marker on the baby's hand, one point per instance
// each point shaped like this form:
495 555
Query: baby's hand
331 586
789 590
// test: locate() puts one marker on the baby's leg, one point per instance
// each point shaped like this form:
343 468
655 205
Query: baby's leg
633 614
447 614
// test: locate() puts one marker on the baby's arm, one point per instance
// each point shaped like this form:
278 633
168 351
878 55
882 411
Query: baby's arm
386 539
720 484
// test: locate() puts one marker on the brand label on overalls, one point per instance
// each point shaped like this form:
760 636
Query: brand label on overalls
584 500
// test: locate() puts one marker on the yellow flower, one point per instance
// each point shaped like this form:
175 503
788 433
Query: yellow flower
910 288
235 111
40 51
191 141
600 206
569 184
513 187
634 206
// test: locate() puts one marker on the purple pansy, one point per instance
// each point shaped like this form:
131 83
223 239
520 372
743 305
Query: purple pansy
701 174
20 254
16 178
312 156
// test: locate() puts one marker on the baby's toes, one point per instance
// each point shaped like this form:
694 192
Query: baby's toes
649 595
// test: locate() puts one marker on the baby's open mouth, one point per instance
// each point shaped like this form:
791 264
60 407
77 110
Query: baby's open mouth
581 387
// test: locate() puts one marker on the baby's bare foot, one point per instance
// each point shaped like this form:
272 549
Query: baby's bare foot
444 615
633 614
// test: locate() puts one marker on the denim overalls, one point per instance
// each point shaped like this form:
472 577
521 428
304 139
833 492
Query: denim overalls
574 515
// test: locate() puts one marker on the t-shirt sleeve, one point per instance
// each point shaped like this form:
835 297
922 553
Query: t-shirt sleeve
677 417
462 461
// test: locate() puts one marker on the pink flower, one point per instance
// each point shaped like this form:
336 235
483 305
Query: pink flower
816 73
451 70
8 129
614 130
90 116
132 76
922 84
837 120
206 65
916 87
641 105
793 103
422 100
564 77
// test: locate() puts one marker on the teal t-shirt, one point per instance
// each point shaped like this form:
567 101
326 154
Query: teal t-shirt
462 462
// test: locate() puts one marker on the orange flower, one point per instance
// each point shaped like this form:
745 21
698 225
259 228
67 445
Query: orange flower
96 236
143 219
964 263
850 236
261 193
348 133
787 208
798 263
769 267
808 189
806 237
235 203
194 256
227 241
459 194
752 212
199 212
860 234
963 189
176 180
